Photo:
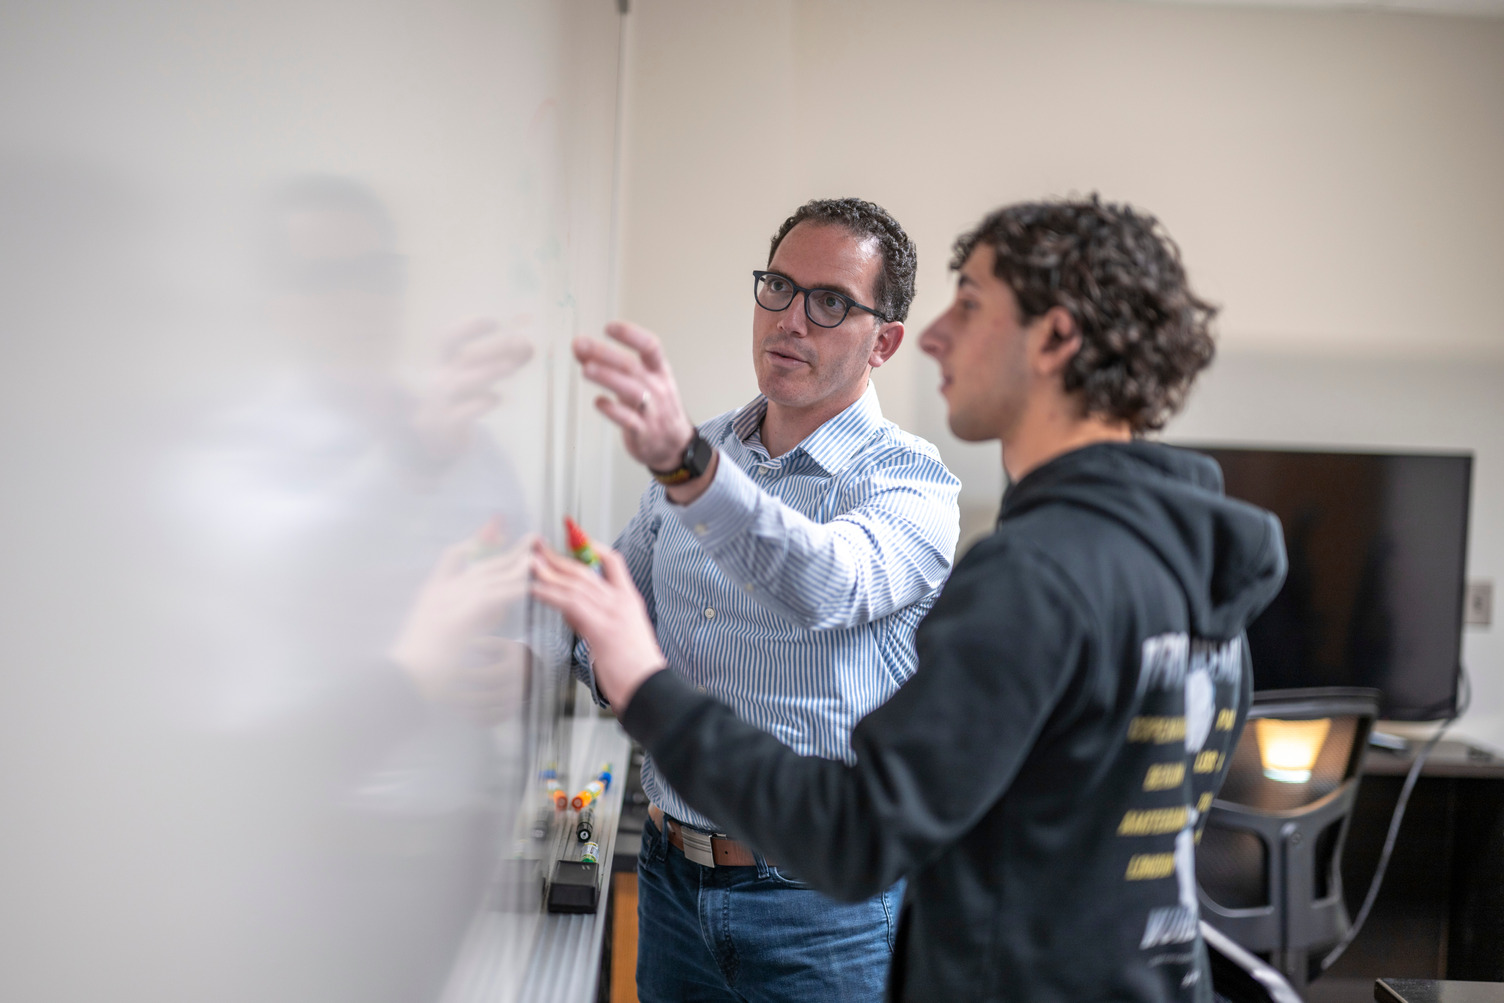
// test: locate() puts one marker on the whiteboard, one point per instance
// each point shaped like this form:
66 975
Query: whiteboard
250 254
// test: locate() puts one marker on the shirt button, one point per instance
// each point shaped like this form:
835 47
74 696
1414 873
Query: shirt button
701 529
749 586
700 689
709 613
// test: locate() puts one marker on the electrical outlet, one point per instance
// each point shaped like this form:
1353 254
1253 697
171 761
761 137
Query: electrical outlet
1479 604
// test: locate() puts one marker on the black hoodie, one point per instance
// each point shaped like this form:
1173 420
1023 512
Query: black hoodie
1041 780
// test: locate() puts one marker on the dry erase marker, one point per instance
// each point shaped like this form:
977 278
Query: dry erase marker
585 828
554 791
541 822
591 791
579 544
589 853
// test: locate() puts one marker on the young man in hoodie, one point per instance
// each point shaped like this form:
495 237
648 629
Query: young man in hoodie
1043 777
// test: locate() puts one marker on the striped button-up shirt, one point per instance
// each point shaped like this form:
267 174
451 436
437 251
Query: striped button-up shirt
791 588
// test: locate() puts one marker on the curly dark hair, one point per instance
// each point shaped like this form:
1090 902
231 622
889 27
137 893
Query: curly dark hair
895 285
1144 334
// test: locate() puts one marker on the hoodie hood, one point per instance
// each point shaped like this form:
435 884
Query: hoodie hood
1228 556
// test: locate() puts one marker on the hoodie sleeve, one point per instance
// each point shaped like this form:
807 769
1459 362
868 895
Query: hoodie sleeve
995 654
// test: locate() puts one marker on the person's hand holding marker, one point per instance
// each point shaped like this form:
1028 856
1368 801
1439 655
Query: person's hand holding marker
606 610
579 545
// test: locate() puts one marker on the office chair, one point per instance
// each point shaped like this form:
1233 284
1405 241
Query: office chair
1269 862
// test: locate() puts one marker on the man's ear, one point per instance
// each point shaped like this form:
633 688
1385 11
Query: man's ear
1059 340
889 337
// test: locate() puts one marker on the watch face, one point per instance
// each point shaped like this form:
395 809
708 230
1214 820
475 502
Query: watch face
697 456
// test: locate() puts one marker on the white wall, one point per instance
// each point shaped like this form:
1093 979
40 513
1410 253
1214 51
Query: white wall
1331 176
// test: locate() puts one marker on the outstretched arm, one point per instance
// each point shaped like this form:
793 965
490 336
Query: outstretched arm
929 762
890 545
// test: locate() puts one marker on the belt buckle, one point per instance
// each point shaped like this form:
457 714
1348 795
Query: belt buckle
697 846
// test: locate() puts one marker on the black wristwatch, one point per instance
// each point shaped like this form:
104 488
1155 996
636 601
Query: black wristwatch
697 457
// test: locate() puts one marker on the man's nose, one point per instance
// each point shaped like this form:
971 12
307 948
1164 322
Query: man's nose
794 320
932 341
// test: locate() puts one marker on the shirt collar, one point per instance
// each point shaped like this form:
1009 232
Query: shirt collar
834 443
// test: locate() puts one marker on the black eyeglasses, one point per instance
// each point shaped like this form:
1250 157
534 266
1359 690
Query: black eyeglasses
823 307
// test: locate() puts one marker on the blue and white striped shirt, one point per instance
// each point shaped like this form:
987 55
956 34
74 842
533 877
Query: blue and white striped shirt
791 589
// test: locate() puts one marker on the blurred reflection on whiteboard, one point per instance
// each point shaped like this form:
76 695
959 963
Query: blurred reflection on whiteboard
283 290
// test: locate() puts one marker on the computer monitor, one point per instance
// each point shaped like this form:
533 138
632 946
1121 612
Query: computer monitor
1378 550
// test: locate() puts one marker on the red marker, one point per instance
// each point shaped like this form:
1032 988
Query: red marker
579 544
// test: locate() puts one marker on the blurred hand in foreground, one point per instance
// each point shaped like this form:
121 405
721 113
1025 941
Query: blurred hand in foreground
605 609
445 645
477 354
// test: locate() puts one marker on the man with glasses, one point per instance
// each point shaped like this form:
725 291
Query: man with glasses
787 552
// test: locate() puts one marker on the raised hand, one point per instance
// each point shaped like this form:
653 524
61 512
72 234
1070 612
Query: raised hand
646 403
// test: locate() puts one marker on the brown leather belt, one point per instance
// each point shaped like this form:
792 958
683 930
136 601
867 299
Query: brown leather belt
704 848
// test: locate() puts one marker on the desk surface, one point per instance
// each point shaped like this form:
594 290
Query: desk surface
1450 758
1432 991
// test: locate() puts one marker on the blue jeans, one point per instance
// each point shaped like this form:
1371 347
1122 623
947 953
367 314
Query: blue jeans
753 934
